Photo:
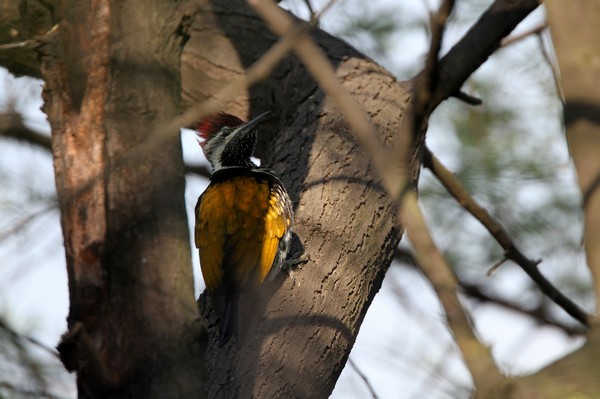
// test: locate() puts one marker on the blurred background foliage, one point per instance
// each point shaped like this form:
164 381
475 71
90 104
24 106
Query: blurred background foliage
508 152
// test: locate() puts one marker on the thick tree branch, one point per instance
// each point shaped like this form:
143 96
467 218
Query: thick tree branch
485 36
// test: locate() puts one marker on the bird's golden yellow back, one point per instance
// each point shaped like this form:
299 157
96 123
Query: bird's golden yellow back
240 222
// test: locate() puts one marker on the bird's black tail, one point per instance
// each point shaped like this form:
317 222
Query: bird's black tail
230 319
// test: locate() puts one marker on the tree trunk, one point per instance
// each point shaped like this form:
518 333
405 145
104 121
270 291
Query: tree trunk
579 58
112 77
299 336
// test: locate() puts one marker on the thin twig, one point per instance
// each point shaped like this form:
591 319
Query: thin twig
200 170
539 313
34 42
15 335
27 361
29 392
455 189
26 219
427 83
537 31
17 130
363 377
553 68
10 46
507 41
468 98
12 126
313 16
316 17
495 266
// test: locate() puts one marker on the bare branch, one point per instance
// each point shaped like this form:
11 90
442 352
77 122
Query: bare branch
445 284
15 336
495 266
539 313
468 98
363 377
479 293
507 41
461 61
12 126
20 57
477 357
501 235
24 220
29 392
24 359
10 46
258 71
427 83
553 67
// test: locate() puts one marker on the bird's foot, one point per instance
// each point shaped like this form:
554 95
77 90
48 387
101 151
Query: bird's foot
290 264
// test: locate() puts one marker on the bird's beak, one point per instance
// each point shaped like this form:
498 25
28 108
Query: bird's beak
251 126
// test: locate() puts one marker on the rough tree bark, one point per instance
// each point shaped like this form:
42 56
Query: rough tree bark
111 72
298 342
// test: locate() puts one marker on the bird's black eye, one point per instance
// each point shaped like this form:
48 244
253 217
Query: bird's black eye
226 131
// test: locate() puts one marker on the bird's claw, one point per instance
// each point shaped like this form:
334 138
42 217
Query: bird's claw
290 264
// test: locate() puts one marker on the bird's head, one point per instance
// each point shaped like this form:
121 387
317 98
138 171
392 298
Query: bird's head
227 140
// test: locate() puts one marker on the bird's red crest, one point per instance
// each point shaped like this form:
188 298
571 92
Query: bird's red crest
211 124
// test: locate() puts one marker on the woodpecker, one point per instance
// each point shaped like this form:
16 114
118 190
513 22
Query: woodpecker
243 218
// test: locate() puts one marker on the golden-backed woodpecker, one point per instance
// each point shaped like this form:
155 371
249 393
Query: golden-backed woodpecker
243 217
